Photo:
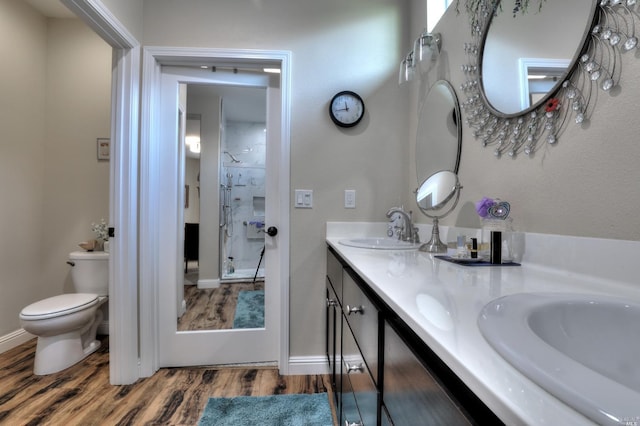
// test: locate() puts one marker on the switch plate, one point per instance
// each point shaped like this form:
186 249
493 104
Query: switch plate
349 198
303 199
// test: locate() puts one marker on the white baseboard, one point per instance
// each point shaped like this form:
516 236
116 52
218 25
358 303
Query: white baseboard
16 338
305 365
209 283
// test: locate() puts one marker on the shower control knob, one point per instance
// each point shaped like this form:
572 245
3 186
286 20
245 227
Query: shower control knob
272 231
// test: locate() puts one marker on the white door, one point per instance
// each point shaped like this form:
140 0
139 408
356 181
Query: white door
210 347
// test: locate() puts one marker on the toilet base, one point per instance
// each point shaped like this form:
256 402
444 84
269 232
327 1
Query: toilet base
56 353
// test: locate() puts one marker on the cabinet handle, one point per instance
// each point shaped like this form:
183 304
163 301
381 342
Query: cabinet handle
348 423
354 367
331 302
355 310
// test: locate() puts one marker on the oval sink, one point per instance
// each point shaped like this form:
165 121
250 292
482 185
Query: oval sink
380 244
584 349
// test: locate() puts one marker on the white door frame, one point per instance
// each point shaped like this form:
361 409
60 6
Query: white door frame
153 58
123 193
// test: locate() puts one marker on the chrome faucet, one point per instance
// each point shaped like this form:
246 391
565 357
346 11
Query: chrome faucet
407 232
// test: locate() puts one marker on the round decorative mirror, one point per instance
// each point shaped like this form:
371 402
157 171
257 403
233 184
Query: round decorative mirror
595 35
523 60
437 197
439 136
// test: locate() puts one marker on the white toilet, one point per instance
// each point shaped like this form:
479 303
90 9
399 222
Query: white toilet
66 324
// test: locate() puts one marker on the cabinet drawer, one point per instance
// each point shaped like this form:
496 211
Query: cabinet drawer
362 317
334 273
410 392
357 386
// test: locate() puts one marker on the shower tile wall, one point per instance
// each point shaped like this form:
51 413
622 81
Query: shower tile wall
247 143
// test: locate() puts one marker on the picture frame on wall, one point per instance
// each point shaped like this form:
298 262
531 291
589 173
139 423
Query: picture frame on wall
104 148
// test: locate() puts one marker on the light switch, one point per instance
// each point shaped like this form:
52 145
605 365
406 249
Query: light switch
349 198
303 199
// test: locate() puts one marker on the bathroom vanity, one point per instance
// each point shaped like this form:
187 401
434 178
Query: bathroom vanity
361 332
403 341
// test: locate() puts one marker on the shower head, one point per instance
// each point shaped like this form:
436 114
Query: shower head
233 158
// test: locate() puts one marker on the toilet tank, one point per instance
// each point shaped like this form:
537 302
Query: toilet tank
90 272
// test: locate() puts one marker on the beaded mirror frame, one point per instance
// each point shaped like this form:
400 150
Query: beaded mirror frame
597 66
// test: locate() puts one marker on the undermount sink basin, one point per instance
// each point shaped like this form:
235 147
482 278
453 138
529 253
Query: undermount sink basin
584 349
380 244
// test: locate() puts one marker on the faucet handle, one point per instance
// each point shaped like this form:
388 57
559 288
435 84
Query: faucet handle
416 235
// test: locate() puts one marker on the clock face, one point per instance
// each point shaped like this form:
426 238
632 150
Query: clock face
346 109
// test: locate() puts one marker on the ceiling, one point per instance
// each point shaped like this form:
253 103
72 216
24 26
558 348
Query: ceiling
51 8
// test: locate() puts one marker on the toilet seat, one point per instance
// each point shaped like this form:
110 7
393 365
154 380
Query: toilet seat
56 306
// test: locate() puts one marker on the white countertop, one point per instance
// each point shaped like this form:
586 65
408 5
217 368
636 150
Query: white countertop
441 302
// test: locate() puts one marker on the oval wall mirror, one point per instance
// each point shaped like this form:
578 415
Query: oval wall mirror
524 59
439 135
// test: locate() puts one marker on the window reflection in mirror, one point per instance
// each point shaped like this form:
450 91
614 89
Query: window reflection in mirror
555 33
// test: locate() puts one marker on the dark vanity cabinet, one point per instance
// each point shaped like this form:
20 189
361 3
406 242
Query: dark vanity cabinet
411 391
360 332
334 326
352 347
382 373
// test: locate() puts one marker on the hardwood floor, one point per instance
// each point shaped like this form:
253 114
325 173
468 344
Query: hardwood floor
82 395
212 308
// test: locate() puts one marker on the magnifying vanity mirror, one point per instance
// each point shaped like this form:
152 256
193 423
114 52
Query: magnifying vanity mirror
437 197
438 145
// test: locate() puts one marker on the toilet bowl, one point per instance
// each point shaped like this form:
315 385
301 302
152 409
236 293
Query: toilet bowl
66 324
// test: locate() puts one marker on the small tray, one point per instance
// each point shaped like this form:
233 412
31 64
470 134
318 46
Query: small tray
473 262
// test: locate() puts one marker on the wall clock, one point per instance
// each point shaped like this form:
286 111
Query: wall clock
346 109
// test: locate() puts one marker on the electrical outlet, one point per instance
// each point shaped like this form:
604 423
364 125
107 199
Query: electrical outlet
349 198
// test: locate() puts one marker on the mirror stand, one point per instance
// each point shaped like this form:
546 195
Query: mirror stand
435 245
434 198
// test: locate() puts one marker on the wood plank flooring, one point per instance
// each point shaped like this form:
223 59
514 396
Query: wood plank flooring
82 395
212 308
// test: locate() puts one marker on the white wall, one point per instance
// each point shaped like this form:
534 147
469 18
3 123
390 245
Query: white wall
23 35
335 45
127 12
55 103
209 253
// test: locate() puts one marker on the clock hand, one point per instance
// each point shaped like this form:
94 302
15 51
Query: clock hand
346 107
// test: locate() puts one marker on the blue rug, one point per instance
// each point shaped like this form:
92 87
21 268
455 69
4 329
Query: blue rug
275 410
249 310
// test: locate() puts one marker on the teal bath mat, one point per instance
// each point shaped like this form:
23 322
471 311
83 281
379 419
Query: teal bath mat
275 410
249 310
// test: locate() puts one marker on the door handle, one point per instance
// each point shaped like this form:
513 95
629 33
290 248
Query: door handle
272 231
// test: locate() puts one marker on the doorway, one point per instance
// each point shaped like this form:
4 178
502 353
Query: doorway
262 344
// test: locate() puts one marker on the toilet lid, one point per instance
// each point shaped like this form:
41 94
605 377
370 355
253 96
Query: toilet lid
88 255
59 305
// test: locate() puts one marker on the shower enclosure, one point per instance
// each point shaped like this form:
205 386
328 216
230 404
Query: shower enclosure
242 201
